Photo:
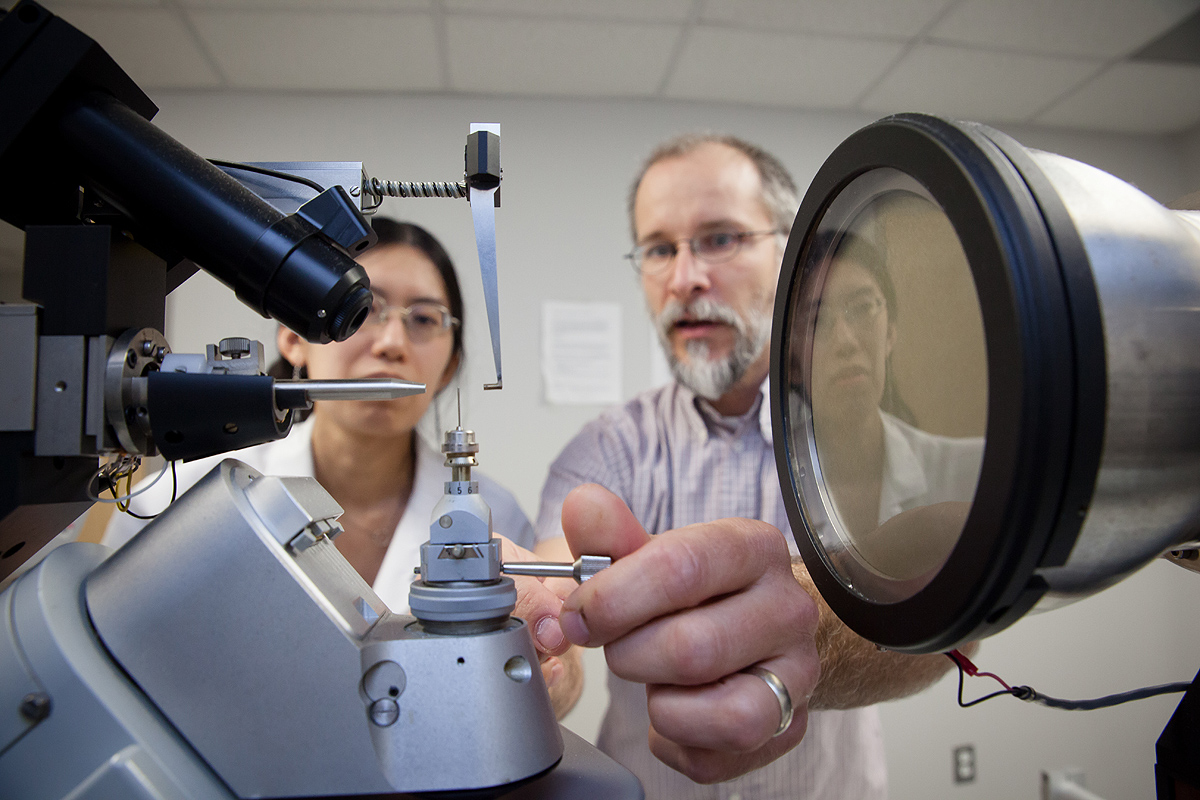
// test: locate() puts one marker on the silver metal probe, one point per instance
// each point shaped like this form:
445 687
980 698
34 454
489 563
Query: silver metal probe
301 393
583 568
483 212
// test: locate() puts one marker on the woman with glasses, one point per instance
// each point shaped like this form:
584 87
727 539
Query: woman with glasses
876 460
367 454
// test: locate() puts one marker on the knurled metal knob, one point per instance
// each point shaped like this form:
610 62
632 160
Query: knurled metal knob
234 347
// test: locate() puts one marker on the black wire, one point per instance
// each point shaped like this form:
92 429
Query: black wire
1030 695
977 700
174 490
270 172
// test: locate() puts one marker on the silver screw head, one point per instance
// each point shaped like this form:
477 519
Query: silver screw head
384 712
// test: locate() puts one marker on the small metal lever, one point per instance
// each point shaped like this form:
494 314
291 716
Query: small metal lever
583 568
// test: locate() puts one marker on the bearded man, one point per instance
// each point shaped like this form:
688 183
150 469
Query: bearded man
714 634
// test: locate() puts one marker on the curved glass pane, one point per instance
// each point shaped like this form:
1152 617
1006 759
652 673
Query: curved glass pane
887 377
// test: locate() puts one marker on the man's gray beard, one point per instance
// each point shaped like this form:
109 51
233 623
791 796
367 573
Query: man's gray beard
707 377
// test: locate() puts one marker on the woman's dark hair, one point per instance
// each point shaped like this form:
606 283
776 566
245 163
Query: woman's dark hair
394 232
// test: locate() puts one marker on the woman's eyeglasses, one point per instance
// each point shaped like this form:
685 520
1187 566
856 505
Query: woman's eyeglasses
860 314
422 321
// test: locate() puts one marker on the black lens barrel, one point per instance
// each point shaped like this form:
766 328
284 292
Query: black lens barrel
278 265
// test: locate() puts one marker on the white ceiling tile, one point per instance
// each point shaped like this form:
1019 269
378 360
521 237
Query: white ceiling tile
777 69
331 6
976 84
153 45
1133 98
352 50
885 18
557 57
1104 28
63 8
662 10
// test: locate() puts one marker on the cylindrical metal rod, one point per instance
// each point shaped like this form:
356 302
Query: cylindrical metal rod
301 394
583 568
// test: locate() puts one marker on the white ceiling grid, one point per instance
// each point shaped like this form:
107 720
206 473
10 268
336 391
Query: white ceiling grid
1053 62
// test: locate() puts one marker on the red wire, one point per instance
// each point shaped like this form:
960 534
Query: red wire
966 666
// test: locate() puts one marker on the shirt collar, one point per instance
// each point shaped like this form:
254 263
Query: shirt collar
903 476
704 420
764 410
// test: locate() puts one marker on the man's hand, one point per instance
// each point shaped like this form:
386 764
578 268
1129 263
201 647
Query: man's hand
684 612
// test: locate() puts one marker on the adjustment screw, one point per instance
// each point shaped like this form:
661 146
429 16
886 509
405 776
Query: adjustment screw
147 347
384 712
35 706
234 347
445 521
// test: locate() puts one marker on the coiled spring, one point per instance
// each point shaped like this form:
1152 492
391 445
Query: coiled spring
381 189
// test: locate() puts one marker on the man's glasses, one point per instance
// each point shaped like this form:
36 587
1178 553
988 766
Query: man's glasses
423 322
860 314
712 248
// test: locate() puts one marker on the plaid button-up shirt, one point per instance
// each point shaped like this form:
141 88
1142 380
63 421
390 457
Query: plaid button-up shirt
675 461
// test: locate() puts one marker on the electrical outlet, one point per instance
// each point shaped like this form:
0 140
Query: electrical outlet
964 763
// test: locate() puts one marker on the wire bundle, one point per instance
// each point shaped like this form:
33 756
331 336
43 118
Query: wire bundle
111 474
1031 695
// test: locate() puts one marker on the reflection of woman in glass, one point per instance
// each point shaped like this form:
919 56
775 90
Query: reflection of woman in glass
878 464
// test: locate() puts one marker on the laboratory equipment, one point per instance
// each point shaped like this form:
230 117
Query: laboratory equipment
1019 331
228 650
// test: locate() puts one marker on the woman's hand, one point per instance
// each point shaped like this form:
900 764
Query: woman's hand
539 606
